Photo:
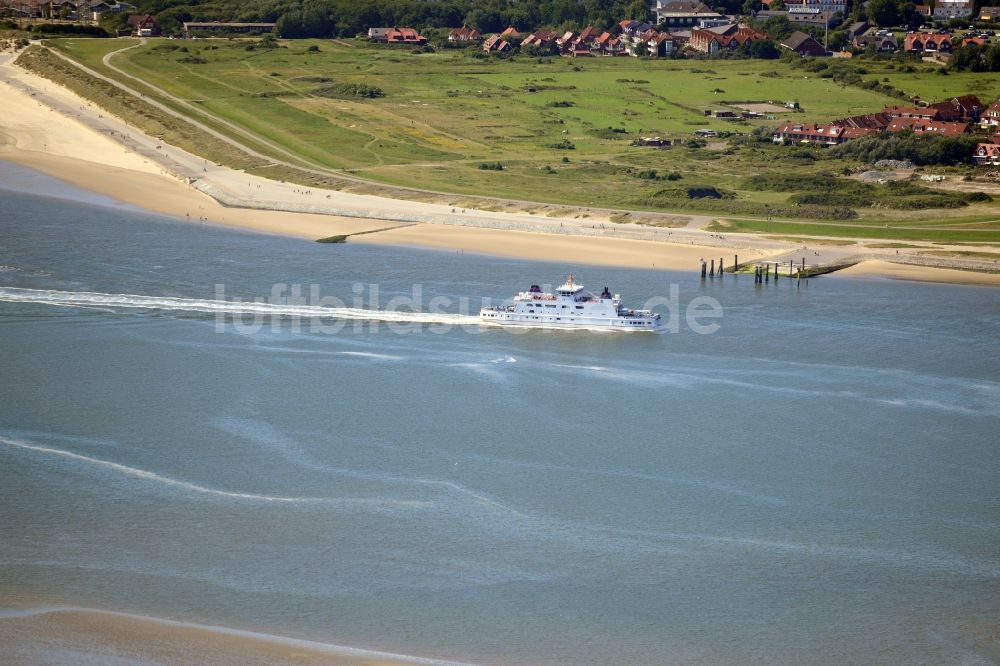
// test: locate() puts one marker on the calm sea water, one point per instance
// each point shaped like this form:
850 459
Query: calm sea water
817 482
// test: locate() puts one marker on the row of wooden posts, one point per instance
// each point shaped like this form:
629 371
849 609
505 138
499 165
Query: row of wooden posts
711 271
761 274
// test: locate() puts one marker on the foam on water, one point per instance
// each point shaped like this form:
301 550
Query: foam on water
146 475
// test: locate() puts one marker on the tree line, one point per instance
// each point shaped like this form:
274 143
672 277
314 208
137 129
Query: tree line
346 18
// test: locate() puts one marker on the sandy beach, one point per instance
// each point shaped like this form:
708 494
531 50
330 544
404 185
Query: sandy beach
48 128
64 636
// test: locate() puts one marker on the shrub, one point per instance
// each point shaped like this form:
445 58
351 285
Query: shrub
491 166
349 90
919 149
565 144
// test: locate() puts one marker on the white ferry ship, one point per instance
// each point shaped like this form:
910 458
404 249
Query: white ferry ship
570 307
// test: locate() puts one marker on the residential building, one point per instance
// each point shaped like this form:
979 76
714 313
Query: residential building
631 28
404 36
857 29
732 36
879 43
144 25
607 44
804 45
540 39
928 126
913 113
98 7
465 35
991 116
970 107
986 154
927 42
510 33
948 9
683 13
565 41
496 44
816 17
989 14
824 135
832 6
874 121
660 45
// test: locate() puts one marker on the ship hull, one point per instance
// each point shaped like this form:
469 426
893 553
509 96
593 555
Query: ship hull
587 323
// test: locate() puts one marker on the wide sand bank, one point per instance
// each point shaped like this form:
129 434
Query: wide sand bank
886 269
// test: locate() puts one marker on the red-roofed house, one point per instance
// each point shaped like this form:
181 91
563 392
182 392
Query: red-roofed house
464 35
540 38
144 25
991 116
732 36
918 126
404 36
875 121
917 42
587 37
969 106
510 33
607 44
661 45
914 112
496 44
987 154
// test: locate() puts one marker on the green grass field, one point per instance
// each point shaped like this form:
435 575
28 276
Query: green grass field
444 114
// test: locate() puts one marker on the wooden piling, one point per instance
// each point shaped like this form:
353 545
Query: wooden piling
736 263
791 267
703 269
711 271
767 273
720 266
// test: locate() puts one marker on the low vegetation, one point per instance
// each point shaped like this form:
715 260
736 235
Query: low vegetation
922 149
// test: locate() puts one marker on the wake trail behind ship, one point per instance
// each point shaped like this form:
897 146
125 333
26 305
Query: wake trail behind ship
235 307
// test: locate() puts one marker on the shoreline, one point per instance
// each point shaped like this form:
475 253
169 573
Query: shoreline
51 130
74 632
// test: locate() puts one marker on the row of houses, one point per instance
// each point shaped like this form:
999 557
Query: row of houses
396 35
86 10
948 118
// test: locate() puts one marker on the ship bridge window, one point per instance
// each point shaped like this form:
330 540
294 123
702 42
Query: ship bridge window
579 307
